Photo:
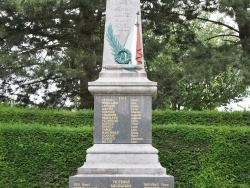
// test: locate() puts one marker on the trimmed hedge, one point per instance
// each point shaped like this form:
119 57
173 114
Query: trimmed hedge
38 156
205 157
202 118
46 117
86 117
197 156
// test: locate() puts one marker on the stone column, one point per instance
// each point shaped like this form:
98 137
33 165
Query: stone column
122 154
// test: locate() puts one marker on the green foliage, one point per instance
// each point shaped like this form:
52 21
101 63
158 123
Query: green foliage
33 155
195 70
48 44
198 62
205 157
202 118
46 117
85 117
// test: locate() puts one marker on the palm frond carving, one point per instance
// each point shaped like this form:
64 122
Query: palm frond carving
114 43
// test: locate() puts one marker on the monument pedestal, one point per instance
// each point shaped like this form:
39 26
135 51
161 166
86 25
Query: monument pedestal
122 159
122 154
122 165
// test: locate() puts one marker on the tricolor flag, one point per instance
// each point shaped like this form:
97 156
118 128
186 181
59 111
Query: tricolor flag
138 47
134 44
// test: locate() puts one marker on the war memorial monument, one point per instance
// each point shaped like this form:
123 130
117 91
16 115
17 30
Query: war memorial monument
122 155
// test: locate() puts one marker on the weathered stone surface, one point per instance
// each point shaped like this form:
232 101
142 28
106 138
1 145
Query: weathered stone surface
121 182
123 119
121 14
117 86
132 159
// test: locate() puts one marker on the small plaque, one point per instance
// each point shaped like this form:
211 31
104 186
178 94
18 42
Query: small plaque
123 119
119 182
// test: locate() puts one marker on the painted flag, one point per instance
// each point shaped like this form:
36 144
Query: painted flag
131 43
138 47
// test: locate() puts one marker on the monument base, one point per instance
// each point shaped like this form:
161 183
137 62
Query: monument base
121 181
121 166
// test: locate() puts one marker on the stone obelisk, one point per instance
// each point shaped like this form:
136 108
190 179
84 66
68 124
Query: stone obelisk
122 154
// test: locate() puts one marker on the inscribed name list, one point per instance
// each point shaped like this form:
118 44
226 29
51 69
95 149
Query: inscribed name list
122 119
111 182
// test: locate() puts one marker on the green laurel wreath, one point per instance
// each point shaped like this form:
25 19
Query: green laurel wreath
119 57
117 48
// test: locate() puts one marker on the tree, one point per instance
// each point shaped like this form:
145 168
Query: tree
56 46
195 63
51 43
162 13
193 73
